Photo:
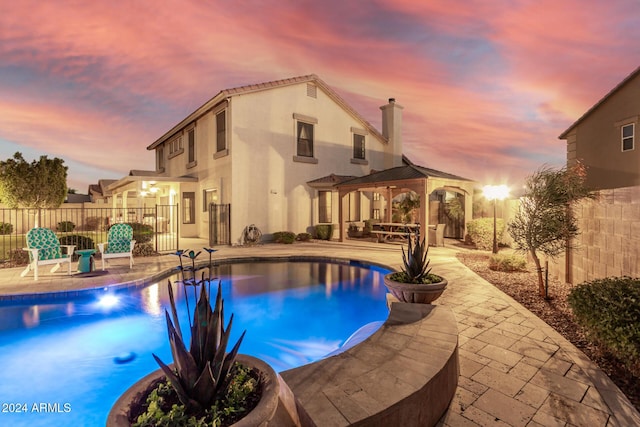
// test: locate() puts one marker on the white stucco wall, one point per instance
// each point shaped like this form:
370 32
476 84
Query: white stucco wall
268 187
259 176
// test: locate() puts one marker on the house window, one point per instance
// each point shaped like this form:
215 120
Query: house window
353 203
191 146
376 196
324 206
188 207
305 139
160 155
175 147
376 214
358 146
209 197
628 132
221 131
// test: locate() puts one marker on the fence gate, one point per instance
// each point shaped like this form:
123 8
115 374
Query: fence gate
219 224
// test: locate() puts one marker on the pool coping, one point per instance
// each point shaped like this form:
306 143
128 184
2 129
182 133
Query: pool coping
405 374
149 280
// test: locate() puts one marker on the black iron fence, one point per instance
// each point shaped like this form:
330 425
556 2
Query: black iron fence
219 224
156 226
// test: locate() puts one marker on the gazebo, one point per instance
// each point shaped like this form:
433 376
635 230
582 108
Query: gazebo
391 182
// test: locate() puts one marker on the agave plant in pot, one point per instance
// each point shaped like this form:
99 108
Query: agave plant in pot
205 385
415 283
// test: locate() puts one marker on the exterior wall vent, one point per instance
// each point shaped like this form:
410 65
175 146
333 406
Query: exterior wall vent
312 90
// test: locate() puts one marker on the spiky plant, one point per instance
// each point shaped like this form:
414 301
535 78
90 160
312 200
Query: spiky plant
416 264
200 376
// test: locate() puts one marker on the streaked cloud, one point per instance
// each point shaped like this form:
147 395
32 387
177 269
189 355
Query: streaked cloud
487 86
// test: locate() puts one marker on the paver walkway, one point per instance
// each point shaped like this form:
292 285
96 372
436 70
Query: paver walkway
515 370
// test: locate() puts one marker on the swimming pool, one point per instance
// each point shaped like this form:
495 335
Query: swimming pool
60 359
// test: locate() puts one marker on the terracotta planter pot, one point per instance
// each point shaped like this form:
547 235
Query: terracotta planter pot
415 293
264 412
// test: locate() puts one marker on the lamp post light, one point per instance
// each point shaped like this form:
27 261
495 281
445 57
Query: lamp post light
495 192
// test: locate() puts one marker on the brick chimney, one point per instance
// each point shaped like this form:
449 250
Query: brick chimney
392 130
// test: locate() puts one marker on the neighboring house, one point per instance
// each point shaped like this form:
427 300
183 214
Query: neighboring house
270 153
605 138
77 198
98 192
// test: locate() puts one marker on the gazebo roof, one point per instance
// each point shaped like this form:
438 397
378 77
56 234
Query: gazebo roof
330 180
400 173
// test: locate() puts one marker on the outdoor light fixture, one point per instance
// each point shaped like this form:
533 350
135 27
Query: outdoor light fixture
495 192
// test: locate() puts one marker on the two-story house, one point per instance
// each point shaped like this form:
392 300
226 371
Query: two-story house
605 138
270 153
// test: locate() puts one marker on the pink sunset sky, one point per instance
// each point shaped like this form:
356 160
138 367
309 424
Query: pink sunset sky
487 85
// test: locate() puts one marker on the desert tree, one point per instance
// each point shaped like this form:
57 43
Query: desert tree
41 184
544 223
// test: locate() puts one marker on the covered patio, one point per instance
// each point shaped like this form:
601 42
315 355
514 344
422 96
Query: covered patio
394 181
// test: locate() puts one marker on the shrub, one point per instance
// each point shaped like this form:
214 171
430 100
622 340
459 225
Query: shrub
368 226
609 310
286 237
303 237
481 232
95 223
6 228
324 231
19 257
66 226
80 242
144 249
502 262
142 233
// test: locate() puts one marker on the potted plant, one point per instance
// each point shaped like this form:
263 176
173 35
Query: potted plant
415 283
205 384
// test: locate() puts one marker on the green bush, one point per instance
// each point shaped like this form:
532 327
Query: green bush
324 231
6 228
95 223
480 231
66 226
502 262
144 249
80 242
286 237
303 237
609 311
142 233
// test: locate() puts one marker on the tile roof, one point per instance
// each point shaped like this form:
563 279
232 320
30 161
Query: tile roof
225 93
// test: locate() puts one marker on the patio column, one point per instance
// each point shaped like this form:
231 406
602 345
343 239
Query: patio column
389 198
423 230
341 222
468 210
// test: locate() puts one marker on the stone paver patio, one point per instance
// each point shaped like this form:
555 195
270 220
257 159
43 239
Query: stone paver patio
515 370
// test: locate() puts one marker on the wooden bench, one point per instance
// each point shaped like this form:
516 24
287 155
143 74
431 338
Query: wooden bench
385 235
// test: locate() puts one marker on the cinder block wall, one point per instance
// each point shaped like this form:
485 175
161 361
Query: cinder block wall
609 240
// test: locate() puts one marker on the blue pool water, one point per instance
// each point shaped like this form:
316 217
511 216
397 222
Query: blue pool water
59 357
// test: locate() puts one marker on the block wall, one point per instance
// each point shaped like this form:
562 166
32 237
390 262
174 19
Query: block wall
609 240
